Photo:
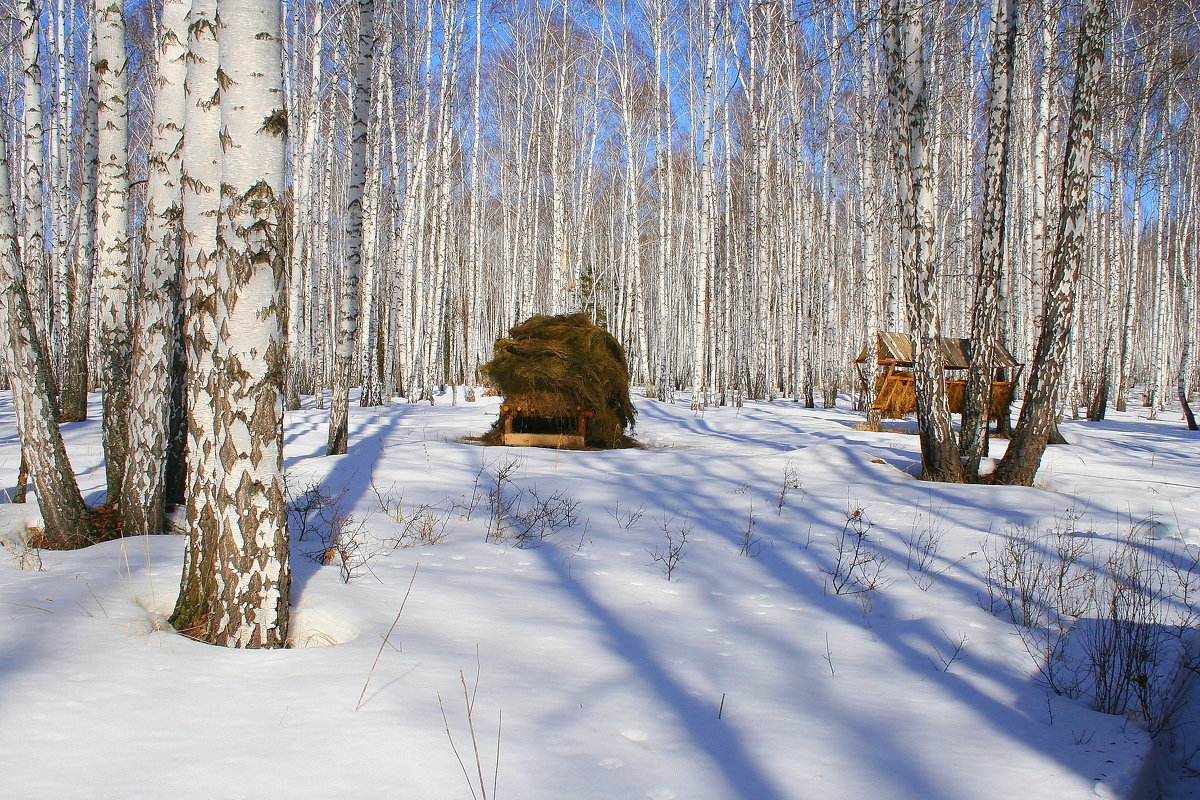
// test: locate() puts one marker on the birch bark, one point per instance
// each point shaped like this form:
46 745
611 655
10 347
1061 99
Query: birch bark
143 496
251 564
348 319
109 63
992 241
200 180
36 263
1038 413
65 517
908 99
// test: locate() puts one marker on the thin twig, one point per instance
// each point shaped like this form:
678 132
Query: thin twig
454 747
23 605
386 637
471 728
496 773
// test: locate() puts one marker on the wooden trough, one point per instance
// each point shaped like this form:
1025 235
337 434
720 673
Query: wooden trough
894 392
526 426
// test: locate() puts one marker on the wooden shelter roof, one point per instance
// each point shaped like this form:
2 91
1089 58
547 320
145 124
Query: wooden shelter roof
897 349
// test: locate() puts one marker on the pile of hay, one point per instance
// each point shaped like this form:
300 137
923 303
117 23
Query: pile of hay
558 365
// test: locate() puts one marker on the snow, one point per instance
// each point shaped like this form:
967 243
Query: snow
745 677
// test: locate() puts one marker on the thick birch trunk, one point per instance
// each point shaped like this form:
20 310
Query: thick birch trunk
200 180
251 567
909 100
992 240
143 499
1038 413
112 235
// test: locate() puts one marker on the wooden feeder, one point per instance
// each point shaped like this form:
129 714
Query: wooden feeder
531 427
565 384
894 392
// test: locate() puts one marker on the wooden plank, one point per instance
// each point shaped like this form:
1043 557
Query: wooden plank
556 440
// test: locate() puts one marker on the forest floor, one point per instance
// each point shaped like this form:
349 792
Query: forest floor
536 581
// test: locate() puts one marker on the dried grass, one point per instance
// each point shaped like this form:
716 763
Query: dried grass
560 366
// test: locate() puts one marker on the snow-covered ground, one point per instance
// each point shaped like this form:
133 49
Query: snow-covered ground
744 676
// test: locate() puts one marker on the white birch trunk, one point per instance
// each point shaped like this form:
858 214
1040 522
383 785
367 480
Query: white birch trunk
1039 410
907 92
251 568
200 180
348 319
36 262
64 514
992 240
112 234
152 381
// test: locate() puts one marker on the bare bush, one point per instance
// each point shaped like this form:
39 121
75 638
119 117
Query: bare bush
751 543
1107 625
858 568
466 508
628 517
424 524
534 518
26 554
669 555
312 509
956 650
522 515
790 483
336 537
499 499
1032 575
346 546
421 523
924 563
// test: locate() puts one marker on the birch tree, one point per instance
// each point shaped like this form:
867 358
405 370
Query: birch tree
348 318
200 179
909 102
35 251
705 236
66 522
152 381
992 238
1187 293
235 587
1040 408
253 574
74 377
109 62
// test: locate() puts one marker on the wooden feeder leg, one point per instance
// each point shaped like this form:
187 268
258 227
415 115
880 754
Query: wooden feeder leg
508 424
583 426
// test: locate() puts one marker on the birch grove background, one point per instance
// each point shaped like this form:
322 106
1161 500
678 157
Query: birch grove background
711 180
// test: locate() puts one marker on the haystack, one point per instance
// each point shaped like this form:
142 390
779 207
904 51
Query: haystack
559 372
